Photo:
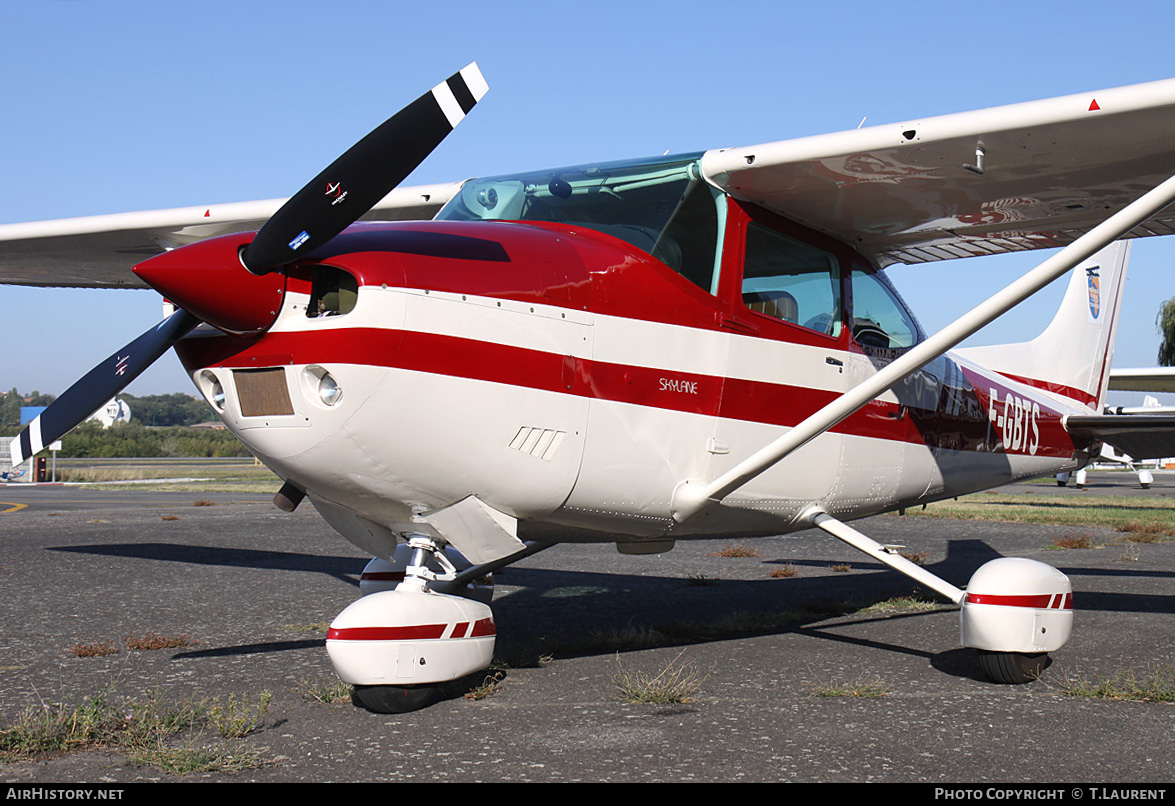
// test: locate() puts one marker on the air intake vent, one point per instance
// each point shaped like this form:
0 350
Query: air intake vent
539 442
263 392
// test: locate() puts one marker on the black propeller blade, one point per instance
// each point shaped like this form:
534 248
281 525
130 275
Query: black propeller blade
367 172
99 385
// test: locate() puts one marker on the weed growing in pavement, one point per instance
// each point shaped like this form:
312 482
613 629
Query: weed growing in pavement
236 720
146 729
677 682
152 641
736 550
1073 541
92 649
335 691
868 688
1154 684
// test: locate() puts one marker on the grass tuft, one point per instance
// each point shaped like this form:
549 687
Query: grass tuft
901 604
783 572
236 720
145 729
678 682
92 649
488 688
1142 515
198 759
152 641
841 568
736 550
1082 541
1155 684
329 693
867 688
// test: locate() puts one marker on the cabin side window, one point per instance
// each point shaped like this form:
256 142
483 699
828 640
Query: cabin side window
880 319
792 281
333 292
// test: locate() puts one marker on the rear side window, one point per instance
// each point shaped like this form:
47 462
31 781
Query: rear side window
791 281
880 319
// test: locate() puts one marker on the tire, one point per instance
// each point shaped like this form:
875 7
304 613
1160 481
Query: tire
1012 668
1061 483
394 699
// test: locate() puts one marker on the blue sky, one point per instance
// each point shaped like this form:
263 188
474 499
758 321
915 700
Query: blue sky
117 105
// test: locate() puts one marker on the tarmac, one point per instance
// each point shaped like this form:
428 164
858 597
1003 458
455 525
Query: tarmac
252 587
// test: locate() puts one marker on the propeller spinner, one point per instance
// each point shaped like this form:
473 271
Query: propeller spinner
230 282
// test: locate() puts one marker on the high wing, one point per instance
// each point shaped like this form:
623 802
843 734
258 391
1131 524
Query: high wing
99 251
1025 176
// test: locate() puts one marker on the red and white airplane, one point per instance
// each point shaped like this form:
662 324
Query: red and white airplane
640 352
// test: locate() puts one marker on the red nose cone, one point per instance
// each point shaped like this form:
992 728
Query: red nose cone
207 280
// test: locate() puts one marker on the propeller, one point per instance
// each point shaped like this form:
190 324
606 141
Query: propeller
99 385
206 281
368 171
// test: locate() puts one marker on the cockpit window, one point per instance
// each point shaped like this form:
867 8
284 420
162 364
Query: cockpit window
333 292
662 207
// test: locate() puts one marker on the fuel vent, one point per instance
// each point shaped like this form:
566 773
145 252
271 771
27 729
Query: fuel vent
263 392
540 442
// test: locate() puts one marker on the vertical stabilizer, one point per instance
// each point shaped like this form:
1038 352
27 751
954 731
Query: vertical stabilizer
1071 358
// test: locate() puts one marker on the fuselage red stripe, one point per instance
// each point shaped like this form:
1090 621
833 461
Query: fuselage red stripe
710 395
1056 388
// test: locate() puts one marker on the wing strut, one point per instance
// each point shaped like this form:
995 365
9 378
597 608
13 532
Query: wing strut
884 554
692 496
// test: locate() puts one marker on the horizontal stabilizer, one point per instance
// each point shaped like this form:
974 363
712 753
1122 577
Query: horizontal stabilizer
1142 436
1154 379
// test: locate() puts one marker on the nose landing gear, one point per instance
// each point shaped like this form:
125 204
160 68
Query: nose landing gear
397 646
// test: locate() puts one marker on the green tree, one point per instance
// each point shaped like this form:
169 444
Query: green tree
172 409
1165 322
10 408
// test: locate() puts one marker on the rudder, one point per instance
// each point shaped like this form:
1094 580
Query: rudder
1071 358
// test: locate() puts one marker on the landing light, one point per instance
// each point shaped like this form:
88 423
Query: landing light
214 391
329 390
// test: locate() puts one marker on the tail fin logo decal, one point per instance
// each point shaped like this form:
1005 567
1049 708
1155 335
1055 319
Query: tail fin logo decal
1095 293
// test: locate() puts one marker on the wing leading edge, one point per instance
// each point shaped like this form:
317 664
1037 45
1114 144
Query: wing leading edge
1025 176
99 251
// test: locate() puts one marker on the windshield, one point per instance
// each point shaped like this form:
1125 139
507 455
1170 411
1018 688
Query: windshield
660 206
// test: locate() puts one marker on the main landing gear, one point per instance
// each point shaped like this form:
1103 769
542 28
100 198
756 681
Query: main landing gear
1014 611
424 620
